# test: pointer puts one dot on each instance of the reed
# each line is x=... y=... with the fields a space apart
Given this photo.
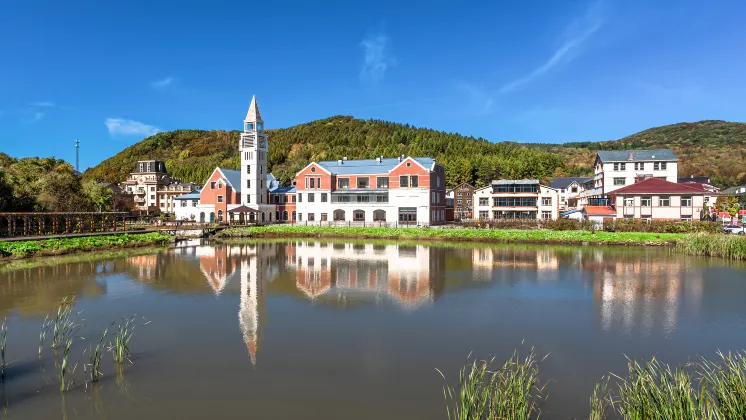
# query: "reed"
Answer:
x=725 y=381
x=120 y=346
x=726 y=246
x=63 y=326
x=600 y=401
x=3 y=342
x=43 y=334
x=510 y=392
x=93 y=368
x=64 y=365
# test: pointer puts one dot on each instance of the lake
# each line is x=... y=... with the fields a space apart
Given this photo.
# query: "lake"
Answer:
x=285 y=329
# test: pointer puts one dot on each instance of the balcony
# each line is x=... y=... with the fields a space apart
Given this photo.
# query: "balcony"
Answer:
x=594 y=192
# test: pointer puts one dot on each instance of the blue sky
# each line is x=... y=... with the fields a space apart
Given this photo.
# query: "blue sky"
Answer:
x=537 y=71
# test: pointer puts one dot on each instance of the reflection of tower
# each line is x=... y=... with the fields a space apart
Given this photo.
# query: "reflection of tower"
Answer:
x=253 y=301
x=215 y=266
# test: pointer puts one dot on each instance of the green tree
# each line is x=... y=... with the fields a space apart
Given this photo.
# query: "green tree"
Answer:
x=101 y=198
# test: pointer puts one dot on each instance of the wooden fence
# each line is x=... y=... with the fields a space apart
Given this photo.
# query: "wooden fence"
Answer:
x=48 y=223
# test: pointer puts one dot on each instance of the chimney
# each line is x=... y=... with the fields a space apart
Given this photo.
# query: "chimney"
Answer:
x=399 y=158
x=344 y=158
x=339 y=161
x=381 y=157
x=403 y=156
x=378 y=160
x=630 y=156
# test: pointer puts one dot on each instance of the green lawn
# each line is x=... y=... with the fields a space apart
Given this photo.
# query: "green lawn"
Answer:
x=490 y=235
x=25 y=249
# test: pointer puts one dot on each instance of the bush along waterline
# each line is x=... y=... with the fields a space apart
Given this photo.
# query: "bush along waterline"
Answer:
x=707 y=389
x=28 y=249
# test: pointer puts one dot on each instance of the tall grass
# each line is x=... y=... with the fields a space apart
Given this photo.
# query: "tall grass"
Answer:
x=63 y=325
x=726 y=246
x=93 y=368
x=64 y=367
x=120 y=347
x=3 y=343
x=726 y=384
x=510 y=392
x=43 y=334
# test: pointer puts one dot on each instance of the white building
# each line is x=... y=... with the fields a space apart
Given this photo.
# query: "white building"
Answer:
x=516 y=199
x=617 y=168
x=569 y=190
x=254 y=147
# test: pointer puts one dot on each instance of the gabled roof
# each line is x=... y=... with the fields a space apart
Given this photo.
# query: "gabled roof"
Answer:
x=599 y=211
x=283 y=190
x=253 y=114
x=233 y=177
x=565 y=182
x=369 y=166
x=515 y=182
x=637 y=155
x=194 y=195
x=461 y=185
x=659 y=186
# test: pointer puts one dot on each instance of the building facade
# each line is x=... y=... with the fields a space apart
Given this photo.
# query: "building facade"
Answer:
x=656 y=199
x=569 y=190
x=462 y=195
x=385 y=190
x=516 y=199
x=153 y=188
x=619 y=168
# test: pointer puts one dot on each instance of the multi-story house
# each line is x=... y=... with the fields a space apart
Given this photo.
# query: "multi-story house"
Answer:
x=283 y=198
x=517 y=199
x=153 y=188
x=618 y=168
x=656 y=199
x=391 y=190
x=462 y=196
x=569 y=191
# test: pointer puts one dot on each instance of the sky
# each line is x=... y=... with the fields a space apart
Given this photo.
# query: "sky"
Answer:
x=112 y=73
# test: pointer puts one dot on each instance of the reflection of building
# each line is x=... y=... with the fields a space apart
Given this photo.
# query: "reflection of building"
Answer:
x=486 y=260
x=406 y=274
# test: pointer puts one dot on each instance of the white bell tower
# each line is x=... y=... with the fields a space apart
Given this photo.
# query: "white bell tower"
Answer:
x=253 y=147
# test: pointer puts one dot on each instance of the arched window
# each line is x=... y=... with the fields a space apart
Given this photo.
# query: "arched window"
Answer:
x=379 y=216
x=358 y=215
x=212 y=217
x=220 y=215
x=202 y=217
x=252 y=217
x=285 y=215
x=293 y=215
x=262 y=217
x=339 y=215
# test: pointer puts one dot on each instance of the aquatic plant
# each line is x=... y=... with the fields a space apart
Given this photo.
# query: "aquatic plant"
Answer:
x=43 y=333
x=63 y=367
x=93 y=368
x=726 y=384
x=599 y=401
x=509 y=392
x=63 y=326
x=726 y=246
x=120 y=346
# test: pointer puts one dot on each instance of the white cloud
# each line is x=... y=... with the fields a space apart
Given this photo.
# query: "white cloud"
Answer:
x=477 y=95
x=43 y=104
x=571 y=41
x=376 y=57
x=162 y=83
x=129 y=127
x=37 y=116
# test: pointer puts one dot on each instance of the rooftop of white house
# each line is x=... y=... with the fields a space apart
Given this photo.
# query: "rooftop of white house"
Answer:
x=515 y=182
x=369 y=166
x=637 y=155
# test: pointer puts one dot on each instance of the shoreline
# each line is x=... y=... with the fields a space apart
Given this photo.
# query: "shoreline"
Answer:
x=22 y=250
x=497 y=236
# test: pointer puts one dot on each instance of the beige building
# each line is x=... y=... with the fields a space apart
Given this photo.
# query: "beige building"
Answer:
x=153 y=188
x=516 y=199
x=656 y=199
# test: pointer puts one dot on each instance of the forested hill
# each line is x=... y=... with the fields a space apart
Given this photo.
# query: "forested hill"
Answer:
x=192 y=154
x=713 y=148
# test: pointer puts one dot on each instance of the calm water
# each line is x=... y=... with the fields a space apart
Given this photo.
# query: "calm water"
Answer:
x=335 y=330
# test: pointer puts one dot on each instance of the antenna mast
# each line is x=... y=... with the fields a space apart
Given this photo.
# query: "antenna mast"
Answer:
x=77 y=155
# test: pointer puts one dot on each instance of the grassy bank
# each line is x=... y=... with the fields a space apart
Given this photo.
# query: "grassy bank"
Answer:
x=478 y=235
x=29 y=249
x=726 y=246
x=702 y=389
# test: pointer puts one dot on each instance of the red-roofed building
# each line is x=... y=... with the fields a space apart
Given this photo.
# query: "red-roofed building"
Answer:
x=657 y=199
x=598 y=214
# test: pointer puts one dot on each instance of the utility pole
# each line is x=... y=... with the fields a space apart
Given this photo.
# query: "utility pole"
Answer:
x=77 y=155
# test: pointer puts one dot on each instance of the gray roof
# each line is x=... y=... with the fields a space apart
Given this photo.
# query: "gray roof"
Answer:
x=565 y=182
x=515 y=182
x=194 y=195
x=368 y=166
x=283 y=190
x=637 y=155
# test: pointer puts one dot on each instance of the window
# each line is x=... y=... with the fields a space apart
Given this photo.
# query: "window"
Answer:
x=616 y=166
x=574 y=189
x=339 y=215
x=484 y=201
x=468 y=202
x=220 y=199
x=379 y=216
x=163 y=204
x=248 y=198
x=313 y=169
x=514 y=201
x=546 y=201
x=311 y=197
x=686 y=201
x=686 y=218
x=404 y=181
x=664 y=202
x=343 y=183
x=459 y=201
x=639 y=166
x=483 y=214
x=248 y=169
x=311 y=182
x=311 y=217
x=358 y=215
x=622 y=166
x=300 y=217
x=363 y=182
x=659 y=166
x=194 y=203
x=152 y=197
x=323 y=197
x=437 y=182
x=629 y=202
x=409 y=164
x=619 y=181
x=323 y=217
x=300 y=197
x=546 y=215
x=294 y=198
x=414 y=181
x=382 y=182
x=248 y=183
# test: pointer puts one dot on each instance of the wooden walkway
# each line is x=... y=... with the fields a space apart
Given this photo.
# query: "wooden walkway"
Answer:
x=169 y=230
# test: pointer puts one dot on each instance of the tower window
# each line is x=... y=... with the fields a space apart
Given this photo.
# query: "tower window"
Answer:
x=248 y=183
x=248 y=169
x=249 y=126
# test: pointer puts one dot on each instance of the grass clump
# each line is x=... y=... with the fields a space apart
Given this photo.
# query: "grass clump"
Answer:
x=726 y=383
x=726 y=246
x=93 y=367
x=120 y=346
x=3 y=343
x=508 y=392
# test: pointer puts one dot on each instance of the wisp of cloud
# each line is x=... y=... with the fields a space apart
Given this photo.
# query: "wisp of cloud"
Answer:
x=160 y=84
x=376 y=57
x=129 y=127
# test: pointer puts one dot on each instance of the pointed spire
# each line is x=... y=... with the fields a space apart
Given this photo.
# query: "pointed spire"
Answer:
x=253 y=114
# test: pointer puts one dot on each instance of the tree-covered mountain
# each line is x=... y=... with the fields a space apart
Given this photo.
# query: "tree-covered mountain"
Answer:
x=713 y=148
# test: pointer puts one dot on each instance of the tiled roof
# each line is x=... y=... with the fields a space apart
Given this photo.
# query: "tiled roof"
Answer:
x=599 y=211
x=368 y=166
x=283 y=190
x=515 y=182
x=637 y=155
x=659 y=186
x=194 y=195
x=565 y=182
